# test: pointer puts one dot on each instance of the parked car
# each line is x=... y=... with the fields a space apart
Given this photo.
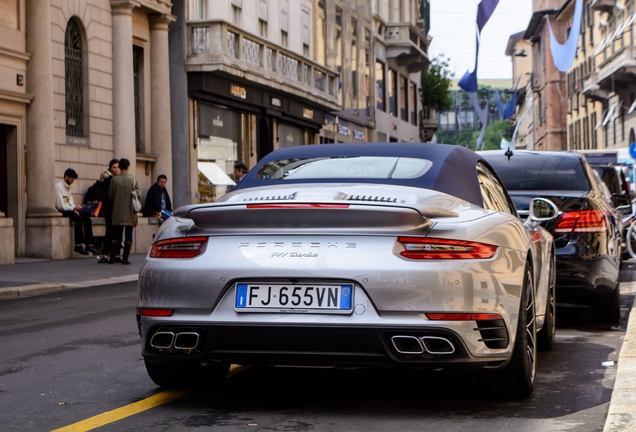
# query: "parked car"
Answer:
x=382 y=254
x=613 y=184
x=586 y=233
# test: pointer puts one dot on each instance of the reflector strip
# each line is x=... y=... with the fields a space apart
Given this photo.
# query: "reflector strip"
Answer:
x=155 y=312
x=186 y=247
x=463 y=316
x=435 y=248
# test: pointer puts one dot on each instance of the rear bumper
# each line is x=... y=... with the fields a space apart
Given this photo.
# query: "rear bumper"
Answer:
x=580 y=277
x=320 y=346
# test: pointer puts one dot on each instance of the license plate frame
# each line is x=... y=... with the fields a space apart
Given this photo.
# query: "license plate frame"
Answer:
x=336 y=298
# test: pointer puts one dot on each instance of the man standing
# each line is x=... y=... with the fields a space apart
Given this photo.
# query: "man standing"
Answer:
x=64 y=204
x=240 y=169
x=121 y=189
x=157 y=200
x=113 y=167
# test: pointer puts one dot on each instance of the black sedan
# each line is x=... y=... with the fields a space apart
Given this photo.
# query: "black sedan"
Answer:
x=586 y=233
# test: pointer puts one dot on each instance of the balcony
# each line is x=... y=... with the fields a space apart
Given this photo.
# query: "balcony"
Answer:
x=619 y=70
x=591 y=89
x=406 y=44
x=603 y=5
x=217 y=46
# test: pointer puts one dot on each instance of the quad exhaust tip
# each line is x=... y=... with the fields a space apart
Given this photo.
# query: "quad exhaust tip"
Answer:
x=413 y=345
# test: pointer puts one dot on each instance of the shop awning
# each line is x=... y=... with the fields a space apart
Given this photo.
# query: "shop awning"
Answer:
x=215 y=174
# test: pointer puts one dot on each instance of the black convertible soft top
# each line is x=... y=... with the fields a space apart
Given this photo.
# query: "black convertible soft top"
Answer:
x=453 y=169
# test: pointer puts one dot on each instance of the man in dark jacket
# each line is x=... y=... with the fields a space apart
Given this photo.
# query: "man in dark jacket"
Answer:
x=107 y=208
x=157 y=200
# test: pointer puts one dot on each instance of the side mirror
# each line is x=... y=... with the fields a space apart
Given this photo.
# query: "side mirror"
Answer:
x=542 y=209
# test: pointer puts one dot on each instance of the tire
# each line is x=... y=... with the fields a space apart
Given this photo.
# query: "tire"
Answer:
x=545 y=338
x=186 y=374
x=518 y=378
x=630 y=240
x=608 y=308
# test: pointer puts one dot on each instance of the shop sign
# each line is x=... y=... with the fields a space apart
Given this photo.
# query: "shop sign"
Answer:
x=218 y=122
x=343 y=129
x=330 y=123
x=238 y=91
x=276 y=102
x=308 y=113
x=358 y=134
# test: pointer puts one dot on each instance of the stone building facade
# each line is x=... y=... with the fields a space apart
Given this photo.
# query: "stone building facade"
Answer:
x=81 y=83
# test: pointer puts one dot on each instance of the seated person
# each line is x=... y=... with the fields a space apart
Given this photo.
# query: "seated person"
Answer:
x=157 y=200
x=64 y=204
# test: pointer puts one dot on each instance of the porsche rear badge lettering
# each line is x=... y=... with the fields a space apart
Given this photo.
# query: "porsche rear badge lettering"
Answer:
x=294 y=255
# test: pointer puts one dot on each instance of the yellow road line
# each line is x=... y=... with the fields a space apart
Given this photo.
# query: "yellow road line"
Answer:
x=130 y=410
x=125 y=411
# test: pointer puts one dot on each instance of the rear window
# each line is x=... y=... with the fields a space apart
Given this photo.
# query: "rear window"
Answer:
x=540 y=173
x=339 y=168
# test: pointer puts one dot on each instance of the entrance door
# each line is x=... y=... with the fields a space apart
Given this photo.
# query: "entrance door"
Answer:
x=264 y=138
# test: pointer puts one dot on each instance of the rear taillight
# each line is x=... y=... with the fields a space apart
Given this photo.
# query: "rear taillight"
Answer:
x=581 y=221
x=186 y=247
x=435 y=248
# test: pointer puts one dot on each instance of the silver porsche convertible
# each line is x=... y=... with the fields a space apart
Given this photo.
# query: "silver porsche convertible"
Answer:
x=376 y=255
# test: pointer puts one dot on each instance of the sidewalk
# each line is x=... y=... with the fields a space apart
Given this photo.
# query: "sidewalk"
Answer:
x=28 y=277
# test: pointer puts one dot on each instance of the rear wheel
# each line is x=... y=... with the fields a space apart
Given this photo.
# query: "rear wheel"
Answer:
x=546 y=335
x=186 y=374
x=518 y=377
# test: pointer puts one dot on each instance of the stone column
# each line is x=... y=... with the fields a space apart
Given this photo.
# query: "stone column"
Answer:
x=161 y=131
x=181 y=150
x=47 y=233
x=123 y=83
x=39 y=121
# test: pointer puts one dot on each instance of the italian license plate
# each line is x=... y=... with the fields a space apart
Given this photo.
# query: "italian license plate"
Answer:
x=257 y=297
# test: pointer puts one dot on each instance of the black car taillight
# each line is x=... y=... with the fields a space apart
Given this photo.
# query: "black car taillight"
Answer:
x=581 y=221
x=186 y=247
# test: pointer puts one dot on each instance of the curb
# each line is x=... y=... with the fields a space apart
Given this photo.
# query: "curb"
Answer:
x=621 y=416
x=44 y=288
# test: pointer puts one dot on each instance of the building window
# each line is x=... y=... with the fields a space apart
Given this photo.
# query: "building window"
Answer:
x=392 y=92
x=413 y=103
x=284 y=38
x=320 y=42
x=380 y=86
x=367 y=72
x=199 y=9
x=262 y=28
x=306 y=50
x=236 y=15
x=404 y=112
x=354 y=65
x=74 y=79
x=338 y=47
x=138 y=61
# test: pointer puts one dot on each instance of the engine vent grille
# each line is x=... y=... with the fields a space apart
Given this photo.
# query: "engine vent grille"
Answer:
x=375 y=198
x=271 y=197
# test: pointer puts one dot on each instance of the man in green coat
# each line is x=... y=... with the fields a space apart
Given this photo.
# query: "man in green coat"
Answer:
x=124 y=218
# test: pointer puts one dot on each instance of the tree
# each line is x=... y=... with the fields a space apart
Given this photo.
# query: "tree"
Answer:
x=436 y=83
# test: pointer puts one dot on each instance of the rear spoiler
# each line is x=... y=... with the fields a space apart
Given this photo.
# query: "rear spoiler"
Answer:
x=312 y=217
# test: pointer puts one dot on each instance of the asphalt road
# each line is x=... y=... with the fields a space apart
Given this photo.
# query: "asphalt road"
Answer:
x=71 y=361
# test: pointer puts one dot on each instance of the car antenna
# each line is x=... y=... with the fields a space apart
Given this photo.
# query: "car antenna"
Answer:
x=508 y=153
